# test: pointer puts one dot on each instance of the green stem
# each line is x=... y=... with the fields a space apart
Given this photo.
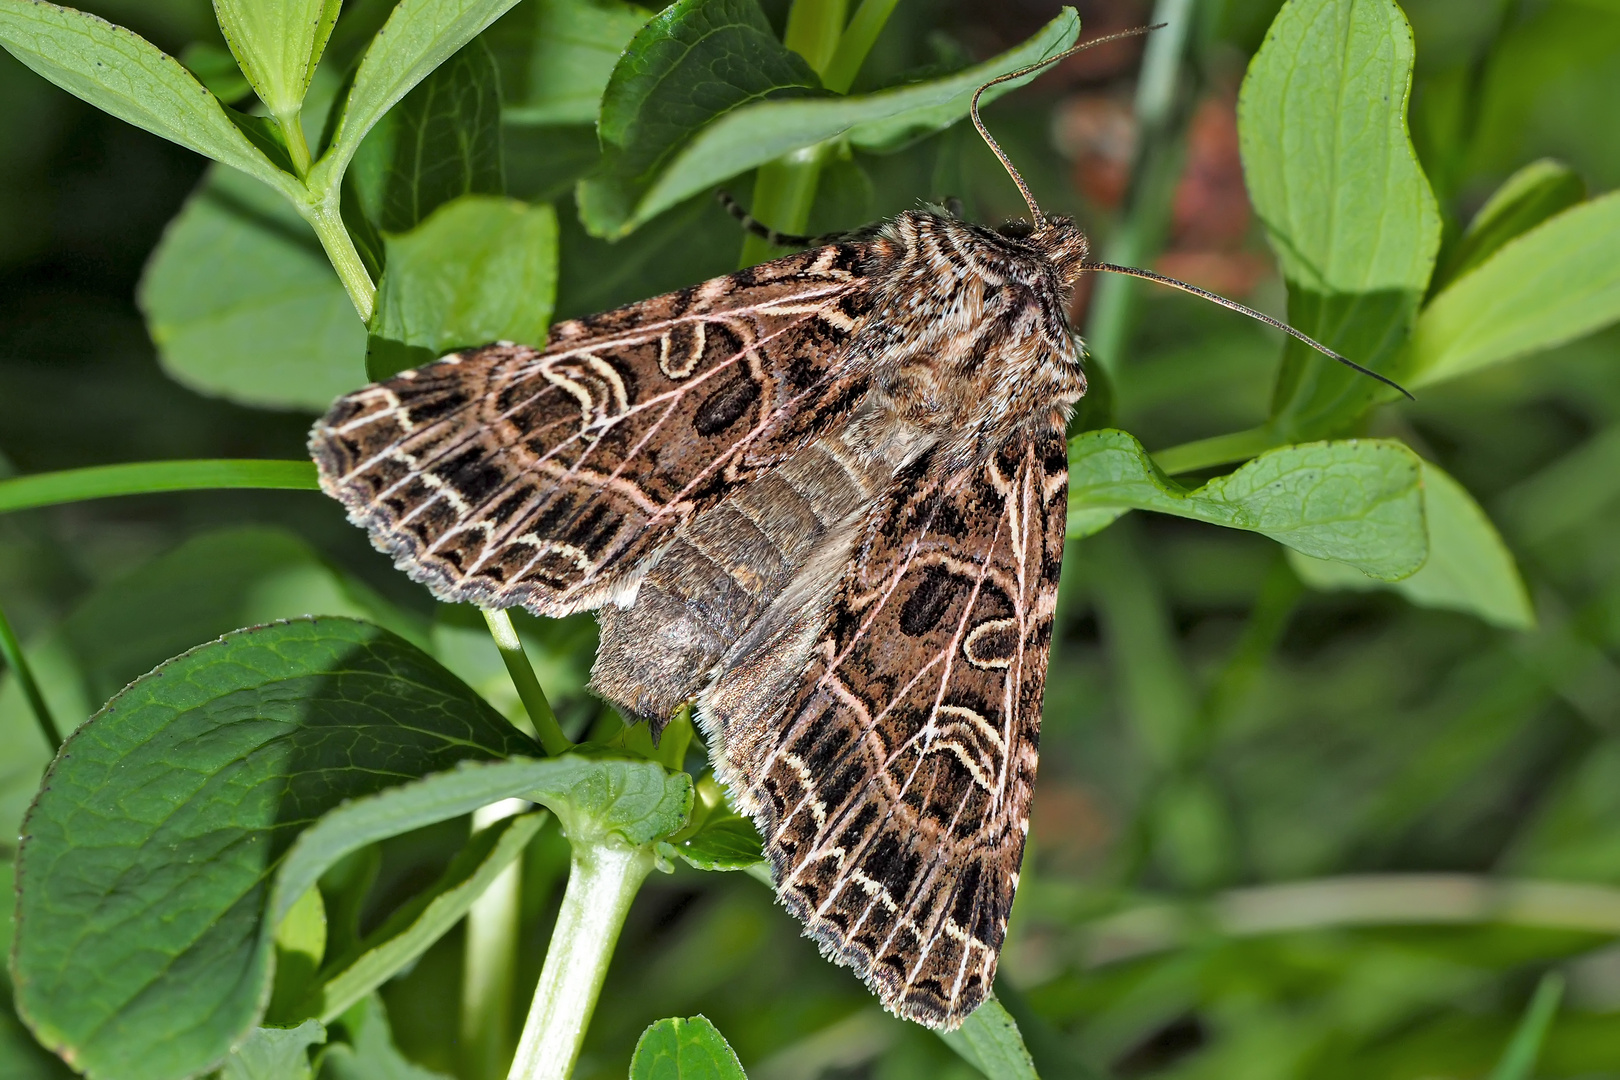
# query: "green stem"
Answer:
x=489 y=961
x=1154 y=172
x=784 y=192
x=1217 y=450
x=813 y=30
x=11 y=651
x=602 y=881
x=147 y=477
x=326 y=218
x=292 y=129
x=857 y=41
x=1519 y=1059
x=546 y=728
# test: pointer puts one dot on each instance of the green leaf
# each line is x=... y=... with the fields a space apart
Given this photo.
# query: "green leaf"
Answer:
x=369 y=1053
x=761 y=132
x=124 y=74
x=442 y=141
x=1358 y=501
x=418 y=37
x=278 y=43
x=725 y=842
x=137 y=478
x=1333 y=176
x=216 y=69
x=274 y=1053
x=1469 y=567
x=479 y=269
x=1518 y=1061
x=1555 y=283
x=144 y=942
x=243 y=304
x=300 y=945
x=695 y=61
x=409 y=931
x=1527 y=198
x=689 y=1049
x=556 y=57
x=989 y=1041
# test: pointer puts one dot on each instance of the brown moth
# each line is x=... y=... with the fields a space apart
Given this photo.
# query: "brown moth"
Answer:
x=823 y=499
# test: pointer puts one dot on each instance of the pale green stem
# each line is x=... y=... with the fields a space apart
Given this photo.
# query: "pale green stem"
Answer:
x=602 y=882
x=857 y=41
x=292 y=129
x=11 y=651
x=546 y=728
x=489 y=960
x=326 y=219
x=1519 y=1059
x=1217 y=450
x=813 y=29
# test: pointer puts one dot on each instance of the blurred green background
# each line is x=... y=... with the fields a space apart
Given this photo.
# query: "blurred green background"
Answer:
x=1278 y=832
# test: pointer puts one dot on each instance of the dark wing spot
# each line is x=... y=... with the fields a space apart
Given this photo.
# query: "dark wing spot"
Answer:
x=929 y=601
x=725 y=406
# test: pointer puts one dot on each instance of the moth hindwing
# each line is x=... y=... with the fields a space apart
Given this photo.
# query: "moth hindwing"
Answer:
x=823 y=498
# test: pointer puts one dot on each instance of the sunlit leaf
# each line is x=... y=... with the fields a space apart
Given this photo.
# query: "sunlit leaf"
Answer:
x=1527 y=198
x=989 y=1040
x=274 y=1054
x=1555 y=283
x=278 y=43
x=689 y=1049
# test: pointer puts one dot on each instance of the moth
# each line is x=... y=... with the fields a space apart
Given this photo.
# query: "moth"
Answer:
x=822 y=499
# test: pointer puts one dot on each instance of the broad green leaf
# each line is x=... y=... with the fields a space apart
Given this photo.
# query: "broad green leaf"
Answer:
x=1359 y=501
x=124 y=74
x=278 y=43
x=216 y=69
x=760 y=132
x=556 y=57
x=1469 y=567
x=408 y=932
x=1332 y=174
x=479 y=269
x=595 y=797
x=695 y=61
x=274 y=1053
x=689 y=1049
x=369 y=1052
x=724 y=842
x=145 y=863
x=989 y=1041
x=442 y=141
x=300 y=940
x=242 y=303
x=1527 y=198
x=418 y=37
x=1555 y=283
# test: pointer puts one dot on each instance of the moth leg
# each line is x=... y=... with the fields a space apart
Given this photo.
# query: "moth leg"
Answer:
x=754 y=227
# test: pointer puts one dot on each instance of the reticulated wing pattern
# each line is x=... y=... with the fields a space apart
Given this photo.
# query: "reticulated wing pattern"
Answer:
x=508 y=475
x=893 y=795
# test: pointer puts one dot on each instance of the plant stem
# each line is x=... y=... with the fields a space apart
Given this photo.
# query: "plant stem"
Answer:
x=1216 y=450
x=784 y=192
x=857 y=41
x=11 y=651
x=546 y=728
x=489 y=959
x=326 y=219
x=1153 y=176
x=602 y=881
x=292 y=129
x=813 y=30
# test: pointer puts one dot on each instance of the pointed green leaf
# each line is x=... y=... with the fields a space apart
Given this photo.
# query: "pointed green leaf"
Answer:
x=760 y=132
x=243 y=304
x=556 y=57
x=1527 y=198
x=124 y=74
x=369 y=1052
x=989 y=1040
x=479 y=269
x=274 y=1053
x=725 y=842
x=442 y=141
x=1555 y=283
x=1359 y=501
x=689 y=1049
x=418 y=37
x=278 y=43
x=144 y=941
x=695 y=61
x=1469 y=567
x=1332 y=174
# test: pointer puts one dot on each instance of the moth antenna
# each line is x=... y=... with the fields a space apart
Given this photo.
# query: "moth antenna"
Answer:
x=1216 y=298
x=995 y=147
